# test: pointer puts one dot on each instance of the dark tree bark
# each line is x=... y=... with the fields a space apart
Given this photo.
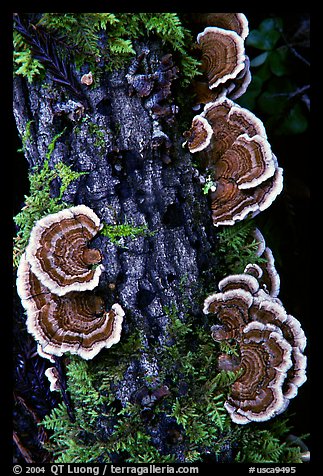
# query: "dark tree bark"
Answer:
x=129 y=177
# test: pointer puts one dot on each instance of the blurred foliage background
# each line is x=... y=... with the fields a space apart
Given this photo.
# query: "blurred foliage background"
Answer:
x=278 y=49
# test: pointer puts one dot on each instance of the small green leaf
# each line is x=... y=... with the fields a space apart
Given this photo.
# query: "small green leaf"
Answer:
x=271 y=102
x=257 y=40
x=259 y=60
x=264 y=72
x=248 y=99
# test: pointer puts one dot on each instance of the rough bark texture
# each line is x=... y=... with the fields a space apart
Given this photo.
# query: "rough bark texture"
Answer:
x=128 y=180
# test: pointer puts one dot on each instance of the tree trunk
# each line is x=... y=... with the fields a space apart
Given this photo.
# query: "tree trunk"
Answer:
x=130 y=176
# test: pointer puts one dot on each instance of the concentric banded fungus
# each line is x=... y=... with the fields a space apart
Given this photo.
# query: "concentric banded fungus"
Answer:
x=271 y=312
x=228 y=21
x=58 y=250
x=272 y=364
x=75 y=323
x=234 y=83
x=240 y=160
x=264 y=359
x=270 y=279
x=231 y=308
x=200 y=136
x=222 y=55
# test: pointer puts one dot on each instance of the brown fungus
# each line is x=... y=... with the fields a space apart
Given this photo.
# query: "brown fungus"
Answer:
x=75 y=322
x=222 y=54
x=59 y=254
x=265 y=271
x=239 y=157
x=232 y=88
x=227 y=53
x=265 y=358
x=228 y=21
x=232 y=309
x=269 y=311
x=199 y=136
x=271 y=363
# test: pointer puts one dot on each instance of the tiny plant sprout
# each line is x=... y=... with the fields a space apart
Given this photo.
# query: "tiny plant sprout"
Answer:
x=210 y=185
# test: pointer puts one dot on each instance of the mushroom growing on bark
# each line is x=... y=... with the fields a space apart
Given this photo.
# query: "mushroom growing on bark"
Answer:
x=265 y=272
x=271 y=342
x=265 y=358
x=240 y=160
x=53 y=377
x=76 y=322
x=221 y=46
x=222 y=54
x=59 y=254
x=228 y=21
x=199 y=137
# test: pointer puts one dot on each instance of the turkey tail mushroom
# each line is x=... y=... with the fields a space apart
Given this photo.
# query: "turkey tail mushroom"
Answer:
x=225 y=66
x=271 y=363
x=59 y=254
x=222 y=54
x=228 y=21
x=239 y=157
x=75 y=322
x=257 y=394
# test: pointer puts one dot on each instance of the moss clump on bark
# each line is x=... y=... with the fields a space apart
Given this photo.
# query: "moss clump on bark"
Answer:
x=104 y=41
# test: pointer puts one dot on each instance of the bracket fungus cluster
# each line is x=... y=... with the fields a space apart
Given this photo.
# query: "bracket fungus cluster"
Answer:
x=231 y=141
x=235 y=150
x=55 y=281
x=271 y=364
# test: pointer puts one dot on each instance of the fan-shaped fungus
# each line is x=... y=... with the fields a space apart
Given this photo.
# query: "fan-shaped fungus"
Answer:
x=59 y=254
x=224 y=47
x=240 y=161
x=257 y=393
x=265 y=272
x=199 y=136
x=228 y=21
x=231 y=309
x=222 y=54
x=271 y=362
x=76 y=322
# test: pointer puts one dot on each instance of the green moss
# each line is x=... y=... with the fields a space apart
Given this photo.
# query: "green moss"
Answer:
x=51 y=145
x=105 y=41
x=266 y=444
x=199 y=414
x=237 y=248
x=98 y=133
x=39 y=202
x=119 y=232
x=27 y=137
x=24 y=64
